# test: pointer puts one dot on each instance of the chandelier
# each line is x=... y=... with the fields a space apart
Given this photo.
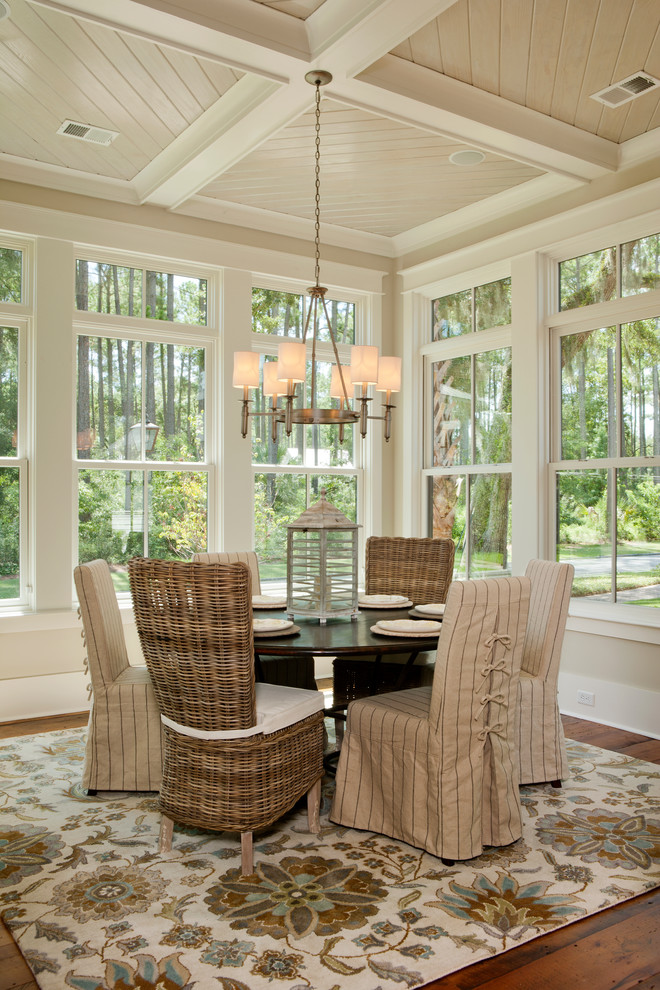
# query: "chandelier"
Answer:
x=281 y=377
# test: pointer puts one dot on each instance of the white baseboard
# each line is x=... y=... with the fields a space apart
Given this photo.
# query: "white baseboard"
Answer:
x=620 y=705
x=52 y=694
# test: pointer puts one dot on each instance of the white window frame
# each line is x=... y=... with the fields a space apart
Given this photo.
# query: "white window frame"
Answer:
x=613 y=313
x=19 y=315
x=143 y=330
x=20 y=462
x=364 y=451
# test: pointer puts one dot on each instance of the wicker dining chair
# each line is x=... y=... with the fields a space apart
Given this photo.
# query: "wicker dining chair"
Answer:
x=437 y=766
x=293 y=671
x=237 y=755
x=420 y=568
x=123 y=748
x=542 y=745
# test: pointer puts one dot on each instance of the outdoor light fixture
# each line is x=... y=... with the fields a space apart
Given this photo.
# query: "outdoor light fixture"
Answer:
x=282 y=377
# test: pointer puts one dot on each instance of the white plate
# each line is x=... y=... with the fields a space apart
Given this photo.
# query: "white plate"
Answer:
x=271 y=625
x=383 y=601
x=434 y=608
x=268 y=601
x=407 y=627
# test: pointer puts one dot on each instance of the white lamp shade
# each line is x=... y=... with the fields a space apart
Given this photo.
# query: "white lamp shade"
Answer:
x=364 y=364
x=336 y=387
x=389 y=375
x=246 y=369
x=291 y=361
x=273 y=385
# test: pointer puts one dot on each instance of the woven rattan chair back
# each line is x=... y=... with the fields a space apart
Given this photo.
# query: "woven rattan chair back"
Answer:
x=248 y=557
x=420 y=568
x=195 y=625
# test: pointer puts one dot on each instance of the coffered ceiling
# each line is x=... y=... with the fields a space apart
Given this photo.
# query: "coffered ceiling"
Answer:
x=213 y=117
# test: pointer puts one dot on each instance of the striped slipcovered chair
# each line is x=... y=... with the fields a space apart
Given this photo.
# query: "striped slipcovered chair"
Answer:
x=293 y=671
x=437 y=766
x=236 y=755
x=123 y=750
x=542 y=745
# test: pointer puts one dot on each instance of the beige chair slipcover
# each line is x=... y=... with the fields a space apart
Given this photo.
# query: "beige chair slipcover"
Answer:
x=236 y=755
x=294 y=671
x=123 y=750
x=542 y=745
x=437 y=766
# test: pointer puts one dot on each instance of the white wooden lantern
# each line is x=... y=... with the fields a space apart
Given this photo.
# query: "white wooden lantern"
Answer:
x=322 y=556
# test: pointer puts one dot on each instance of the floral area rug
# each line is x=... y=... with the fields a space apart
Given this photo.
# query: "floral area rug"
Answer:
x=93 y=905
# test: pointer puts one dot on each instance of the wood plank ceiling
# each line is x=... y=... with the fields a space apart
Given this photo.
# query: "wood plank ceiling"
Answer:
x=214 y=117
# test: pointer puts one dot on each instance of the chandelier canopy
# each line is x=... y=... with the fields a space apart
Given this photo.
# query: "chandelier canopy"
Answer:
x=281 y=377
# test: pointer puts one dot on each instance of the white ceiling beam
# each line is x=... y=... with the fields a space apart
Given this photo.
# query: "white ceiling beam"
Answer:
x=412 y=94
x=348 y=36
x=246 y=116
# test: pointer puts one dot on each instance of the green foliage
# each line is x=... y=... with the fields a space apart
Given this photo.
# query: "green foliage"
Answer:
x=103 y=288
x=11 y=273
x=591 y=278
x=179 y=501
x=9 y=521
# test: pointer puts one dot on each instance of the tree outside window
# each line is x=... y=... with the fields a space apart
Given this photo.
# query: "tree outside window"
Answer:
x=282 y=493
x=141 y=402
x=608 y=478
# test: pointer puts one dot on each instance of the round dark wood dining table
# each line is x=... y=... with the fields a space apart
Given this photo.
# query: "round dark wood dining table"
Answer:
x=342 y=637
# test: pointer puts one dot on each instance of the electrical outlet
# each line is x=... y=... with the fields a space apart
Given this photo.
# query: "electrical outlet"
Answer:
x=585 y=697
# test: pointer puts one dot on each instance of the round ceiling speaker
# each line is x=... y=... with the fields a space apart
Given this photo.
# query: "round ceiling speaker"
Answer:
x=467 y=157
x=5 y=10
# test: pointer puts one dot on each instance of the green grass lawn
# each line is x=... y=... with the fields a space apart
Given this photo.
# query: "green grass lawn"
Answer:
x=600 y=584
x=582 y=551
x=9 y=587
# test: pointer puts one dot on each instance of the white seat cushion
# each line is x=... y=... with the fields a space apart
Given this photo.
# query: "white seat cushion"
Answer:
x=277 y=707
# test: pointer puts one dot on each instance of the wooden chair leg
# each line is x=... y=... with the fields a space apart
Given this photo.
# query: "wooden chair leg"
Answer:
x=166 y=828
x=247 y=864
x=314 y=807
x=556 y=783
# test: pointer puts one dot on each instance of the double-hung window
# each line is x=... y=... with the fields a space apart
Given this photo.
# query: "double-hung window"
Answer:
x=13 y=428
x=141 y=413
x=606 y=437
x=468 y=427
x=289 y=472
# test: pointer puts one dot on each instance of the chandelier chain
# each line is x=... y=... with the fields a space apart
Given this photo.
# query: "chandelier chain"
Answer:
x=317 y=193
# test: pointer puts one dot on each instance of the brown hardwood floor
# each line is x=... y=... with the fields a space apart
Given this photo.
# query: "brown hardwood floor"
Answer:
x=616 y=949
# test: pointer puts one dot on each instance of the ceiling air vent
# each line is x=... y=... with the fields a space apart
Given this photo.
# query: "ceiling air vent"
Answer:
x=627 y=89
x=85 y=132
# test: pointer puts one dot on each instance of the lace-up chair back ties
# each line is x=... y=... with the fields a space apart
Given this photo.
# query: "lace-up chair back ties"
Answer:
x=437 y=766
x=124 y=747
x=541 y=736
x=237 y=756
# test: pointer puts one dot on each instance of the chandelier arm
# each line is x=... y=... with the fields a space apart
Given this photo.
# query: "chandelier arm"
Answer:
x=315 y=307
x=334 y=348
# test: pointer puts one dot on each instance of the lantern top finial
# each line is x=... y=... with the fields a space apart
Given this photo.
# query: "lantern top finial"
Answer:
x=322 y=515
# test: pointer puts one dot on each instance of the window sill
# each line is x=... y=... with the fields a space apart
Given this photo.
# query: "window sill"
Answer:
x=18 y=620
x=617 y=621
